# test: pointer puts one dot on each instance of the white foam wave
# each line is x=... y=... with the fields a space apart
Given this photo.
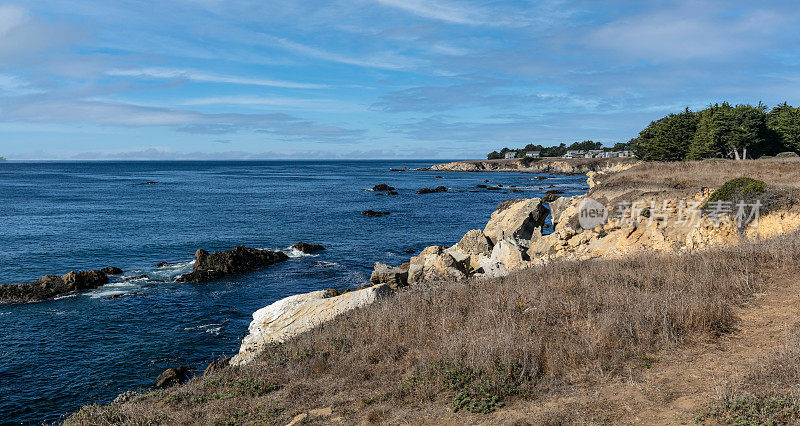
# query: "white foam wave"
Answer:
x=295 y=253
x=207 y=327
x=326 y=264
x=106 y=293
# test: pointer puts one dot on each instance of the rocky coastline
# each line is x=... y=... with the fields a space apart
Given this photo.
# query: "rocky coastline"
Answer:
x=570 y=166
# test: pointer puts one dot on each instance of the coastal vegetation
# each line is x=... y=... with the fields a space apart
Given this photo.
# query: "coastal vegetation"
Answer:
x=560 y=342
x=721 y=130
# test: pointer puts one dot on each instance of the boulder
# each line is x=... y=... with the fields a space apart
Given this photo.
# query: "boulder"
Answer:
x=394 y=277
x=172 y=377
x=475 y=244
x=307 y=248
x=410 y=251
x=372 y=213
x=165 y=264
x=392 y=193
x=509 y=254
x=241 y=259
x=437 y=263
x=383 y=187
x=559 y=206
x=432 y=190
x=110 y=270
x=480 y=185
x=516 y=220
x=296 y=314
x=491 y=268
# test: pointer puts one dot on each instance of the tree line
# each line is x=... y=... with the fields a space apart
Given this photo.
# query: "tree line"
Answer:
x=558 y=150
x=718 y=131
x=721 y=131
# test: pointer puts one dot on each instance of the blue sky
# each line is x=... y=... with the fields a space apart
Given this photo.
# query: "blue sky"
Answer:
x=223 y=79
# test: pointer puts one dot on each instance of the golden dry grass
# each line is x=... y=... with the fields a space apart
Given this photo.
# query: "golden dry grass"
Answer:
x=476 y=345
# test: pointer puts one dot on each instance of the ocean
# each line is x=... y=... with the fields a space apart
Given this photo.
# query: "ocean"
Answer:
x=58 y=355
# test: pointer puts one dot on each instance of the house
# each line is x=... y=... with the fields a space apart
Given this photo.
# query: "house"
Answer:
x=533 y=154
x=594 y=153
x=575 y=154
x=626 y=154
x=511 y=154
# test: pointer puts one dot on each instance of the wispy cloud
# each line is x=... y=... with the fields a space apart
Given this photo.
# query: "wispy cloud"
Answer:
x=203 y=77
x=383 y=60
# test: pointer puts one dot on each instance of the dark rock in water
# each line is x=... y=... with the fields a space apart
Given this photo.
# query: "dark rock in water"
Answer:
x=372 y=213
x=148 y=183
x=382 y=187
x=163 y=264
x=410 y=251
x=480 y=185
x=120 y=296
x=438 y=177
x=111 y=271
x=493 y=188
x=392 y=193
x=432 y=190
x=217 y=365
x=515 y=190
x=378 y=194
x=308 y=248
x=541 y=177
x=486 y=181
x=51 y=286
x=172 y=377
x=241 y=259
x=404 y=169
x=554 y=191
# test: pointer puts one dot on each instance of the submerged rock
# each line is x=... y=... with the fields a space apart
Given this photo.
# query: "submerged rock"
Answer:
x=241 y=259
x=308 y=248
x=432 y=190
x=296 y=314
x=372 y=213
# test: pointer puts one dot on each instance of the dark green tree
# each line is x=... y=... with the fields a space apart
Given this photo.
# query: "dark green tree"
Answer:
x=667 y=139
x=784 y=120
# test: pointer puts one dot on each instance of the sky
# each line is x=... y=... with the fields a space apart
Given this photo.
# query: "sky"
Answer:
x=264 y=79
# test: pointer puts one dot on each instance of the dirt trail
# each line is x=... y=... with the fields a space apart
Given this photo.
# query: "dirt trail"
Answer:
x=679 y=384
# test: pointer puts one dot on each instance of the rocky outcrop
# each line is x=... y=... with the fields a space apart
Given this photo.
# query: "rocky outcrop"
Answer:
x=544 y=165
x=438 y=263
x=307 y=248
x=210 y=266
x=172 y=377
x=394 y=277
x=111 y=270
x=293 y=315
x=51 y=286
x=515 y=221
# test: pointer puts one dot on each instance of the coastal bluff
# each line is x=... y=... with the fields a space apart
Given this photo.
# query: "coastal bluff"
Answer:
x=539 y=165
x=516 y=238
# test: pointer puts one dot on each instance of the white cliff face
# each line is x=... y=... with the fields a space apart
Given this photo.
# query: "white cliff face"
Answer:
x=296 y=314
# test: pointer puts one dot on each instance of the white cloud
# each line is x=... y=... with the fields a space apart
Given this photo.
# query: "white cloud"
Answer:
x=21 y=34
x=331 y=105
x=11 y=17
x=693 y=30
x=199 y=76
x=385 y=60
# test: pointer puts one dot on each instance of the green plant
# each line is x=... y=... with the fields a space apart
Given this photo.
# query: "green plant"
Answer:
x=752 y=410
x=737 y=189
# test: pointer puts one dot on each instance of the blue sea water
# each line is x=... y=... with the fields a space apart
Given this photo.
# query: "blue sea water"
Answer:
x=58 y=355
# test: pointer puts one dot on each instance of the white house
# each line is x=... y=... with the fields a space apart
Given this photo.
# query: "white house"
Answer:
x=592 y=153
x=575 y=154
x=533 y=154
x=511 y=154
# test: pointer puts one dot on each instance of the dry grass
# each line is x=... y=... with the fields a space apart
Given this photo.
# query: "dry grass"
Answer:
x=474 y=346
x=681 y=179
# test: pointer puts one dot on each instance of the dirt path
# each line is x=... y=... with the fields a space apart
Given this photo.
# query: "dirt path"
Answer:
x=679 y=384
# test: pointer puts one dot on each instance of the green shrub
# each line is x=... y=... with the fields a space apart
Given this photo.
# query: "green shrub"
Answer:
x=742 y=188
x=787 y=154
